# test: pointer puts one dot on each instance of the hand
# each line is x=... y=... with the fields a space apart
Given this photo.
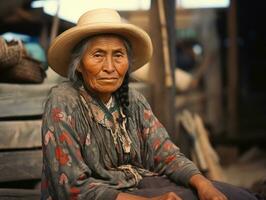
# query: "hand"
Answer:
x=205 y=189
x=209 y=192
x=166 y=196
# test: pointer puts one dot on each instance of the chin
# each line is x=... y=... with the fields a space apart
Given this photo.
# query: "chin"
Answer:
x=107 y=89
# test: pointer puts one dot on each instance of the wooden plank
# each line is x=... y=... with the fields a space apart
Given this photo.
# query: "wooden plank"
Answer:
x=22 y=100
x=165 y=44
x=215 y=171
x=163 y=95
x=20 y=134
x=20 y=165
x=18 y=100
x=19 y=194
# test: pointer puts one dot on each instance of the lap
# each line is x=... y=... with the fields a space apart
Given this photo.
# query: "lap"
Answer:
x=155 y=186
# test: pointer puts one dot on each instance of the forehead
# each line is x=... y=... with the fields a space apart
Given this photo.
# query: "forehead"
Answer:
x=106 y=40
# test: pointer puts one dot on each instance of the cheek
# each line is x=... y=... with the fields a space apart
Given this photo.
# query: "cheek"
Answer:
x=122 y=69
x=88 y=78
x=90 y=68
x=88 y=74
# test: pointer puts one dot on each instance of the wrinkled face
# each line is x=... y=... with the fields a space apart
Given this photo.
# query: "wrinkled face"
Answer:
x=104 y=64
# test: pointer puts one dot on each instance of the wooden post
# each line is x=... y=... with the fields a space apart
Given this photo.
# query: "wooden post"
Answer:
x=212 y=74
x=165 y=44
x=55 y=25
x=44 y=36
x=163 y=96
x=232 y=70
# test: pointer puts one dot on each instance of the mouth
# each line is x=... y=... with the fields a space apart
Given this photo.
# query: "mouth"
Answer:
x=108 y=79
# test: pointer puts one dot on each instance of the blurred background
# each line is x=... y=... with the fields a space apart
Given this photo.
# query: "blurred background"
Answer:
x=205 y=82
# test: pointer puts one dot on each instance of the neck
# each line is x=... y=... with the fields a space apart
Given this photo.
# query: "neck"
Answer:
x=105 y=97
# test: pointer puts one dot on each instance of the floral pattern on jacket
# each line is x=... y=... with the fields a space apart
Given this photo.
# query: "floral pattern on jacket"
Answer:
x=83 y=154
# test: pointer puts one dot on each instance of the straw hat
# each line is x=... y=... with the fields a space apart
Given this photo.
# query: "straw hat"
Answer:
x=95 y=22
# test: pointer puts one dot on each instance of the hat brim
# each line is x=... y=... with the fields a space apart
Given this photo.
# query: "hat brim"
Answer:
x=59 y=53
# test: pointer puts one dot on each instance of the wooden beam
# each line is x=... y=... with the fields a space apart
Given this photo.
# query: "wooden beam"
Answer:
x=163 y=96
x=211 y=157
x=20 y=134
x=20 y=165
x=18 y=100
x=165 y=38
x=19 y=194
x=55 y=24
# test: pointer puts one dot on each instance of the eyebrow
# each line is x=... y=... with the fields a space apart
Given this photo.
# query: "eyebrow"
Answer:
x=120 y=50
x=98 y=49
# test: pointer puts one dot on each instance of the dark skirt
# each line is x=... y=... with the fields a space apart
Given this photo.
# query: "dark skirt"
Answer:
x=155 y=186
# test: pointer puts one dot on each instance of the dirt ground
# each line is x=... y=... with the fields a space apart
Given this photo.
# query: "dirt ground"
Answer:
x=246 y=169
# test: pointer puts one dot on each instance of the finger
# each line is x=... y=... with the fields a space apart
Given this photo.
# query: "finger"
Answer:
x=222 y=197
x=173 y=196
x=178 y=198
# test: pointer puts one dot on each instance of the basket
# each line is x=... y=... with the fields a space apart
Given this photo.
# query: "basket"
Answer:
x=28 y=70
x=11 y=53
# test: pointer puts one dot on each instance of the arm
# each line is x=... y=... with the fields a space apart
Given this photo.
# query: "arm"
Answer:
x=160 y=153
x=168 y=159
x=166 y=196
x=67 y=175
x=205 y=188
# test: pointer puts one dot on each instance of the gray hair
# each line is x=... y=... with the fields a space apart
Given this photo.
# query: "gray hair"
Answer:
x=79 y=50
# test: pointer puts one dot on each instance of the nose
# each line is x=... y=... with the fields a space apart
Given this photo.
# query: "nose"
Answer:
x=108 y=65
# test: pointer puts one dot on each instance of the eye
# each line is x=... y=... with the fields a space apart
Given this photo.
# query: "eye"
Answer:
x=119 y=55
x=97 y=55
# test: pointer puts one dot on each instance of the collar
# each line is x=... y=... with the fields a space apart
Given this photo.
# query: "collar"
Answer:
x=109 y=103
x=98 y=110
x=101 y=114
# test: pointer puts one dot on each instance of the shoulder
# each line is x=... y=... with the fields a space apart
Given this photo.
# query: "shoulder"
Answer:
x=134 y=95
x=63 y=95
x=137 y=99
x=64 y=91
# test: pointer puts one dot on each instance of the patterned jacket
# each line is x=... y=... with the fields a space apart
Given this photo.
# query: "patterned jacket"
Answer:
x=90 y=153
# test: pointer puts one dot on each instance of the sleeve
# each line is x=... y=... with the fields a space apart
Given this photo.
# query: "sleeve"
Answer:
x=66 y=173
x=159 y=152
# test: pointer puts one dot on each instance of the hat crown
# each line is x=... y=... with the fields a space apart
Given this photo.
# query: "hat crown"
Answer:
x=103 y=15
x=93 y=22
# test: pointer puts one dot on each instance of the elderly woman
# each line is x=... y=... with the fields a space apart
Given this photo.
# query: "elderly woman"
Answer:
x=100 y=138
